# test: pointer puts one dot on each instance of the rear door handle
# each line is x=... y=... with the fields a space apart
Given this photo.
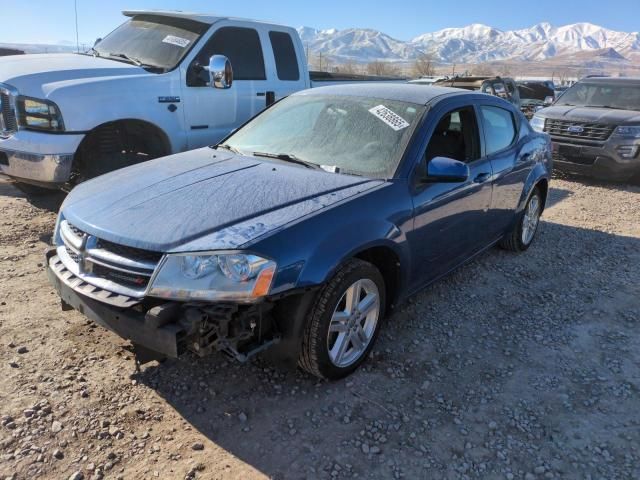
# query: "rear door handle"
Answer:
x=482 y=177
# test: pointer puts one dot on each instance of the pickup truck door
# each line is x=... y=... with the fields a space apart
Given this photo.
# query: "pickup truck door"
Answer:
x=211 y=114
x=450 y=218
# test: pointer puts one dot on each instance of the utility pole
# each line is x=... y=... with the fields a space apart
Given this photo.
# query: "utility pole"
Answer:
x=75 y=6
x=320 y=67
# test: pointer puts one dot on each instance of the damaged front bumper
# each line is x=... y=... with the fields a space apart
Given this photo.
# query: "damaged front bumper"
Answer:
x=168 y=329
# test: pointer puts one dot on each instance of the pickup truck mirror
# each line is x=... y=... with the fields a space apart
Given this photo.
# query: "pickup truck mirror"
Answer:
x=98 y=40
x=220 y=72
x=443 y=169
x=548 y=101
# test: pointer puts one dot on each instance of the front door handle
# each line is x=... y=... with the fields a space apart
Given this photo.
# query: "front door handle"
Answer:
x=482 y=177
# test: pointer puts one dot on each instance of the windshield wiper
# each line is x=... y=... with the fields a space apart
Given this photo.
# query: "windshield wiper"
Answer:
x=288 y=158
x=604 y=106
x=135 y=61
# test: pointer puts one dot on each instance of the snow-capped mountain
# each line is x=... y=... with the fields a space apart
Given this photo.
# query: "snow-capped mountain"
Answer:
x=472 y=44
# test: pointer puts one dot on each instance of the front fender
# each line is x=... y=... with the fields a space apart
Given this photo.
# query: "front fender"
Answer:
x=337 y=247
x=88 y=103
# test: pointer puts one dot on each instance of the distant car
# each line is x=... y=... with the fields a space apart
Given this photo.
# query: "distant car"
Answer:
x=502 y=87
x=534 y=96
x=426 y=80
x=301 y=229
x=595 y=128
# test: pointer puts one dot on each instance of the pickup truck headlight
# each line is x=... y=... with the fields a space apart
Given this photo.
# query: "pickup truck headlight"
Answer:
x=39 y=114
x=537 y=123
x=232 y=276
x=627 y=131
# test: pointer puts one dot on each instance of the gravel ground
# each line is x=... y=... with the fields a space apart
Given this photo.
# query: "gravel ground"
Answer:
x=516 y=366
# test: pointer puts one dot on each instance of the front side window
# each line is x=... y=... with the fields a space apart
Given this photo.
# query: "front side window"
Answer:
x=240 y=45
x=285 y=55
x=455 y=136
x=499 y=128
x=151 y=41
x=353 y=135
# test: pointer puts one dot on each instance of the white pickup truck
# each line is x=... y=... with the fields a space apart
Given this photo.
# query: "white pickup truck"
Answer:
x=144 y=91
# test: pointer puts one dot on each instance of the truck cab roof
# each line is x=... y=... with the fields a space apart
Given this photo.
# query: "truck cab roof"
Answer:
x=204 y=18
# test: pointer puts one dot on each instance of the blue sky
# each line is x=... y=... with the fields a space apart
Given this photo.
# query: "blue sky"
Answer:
x=52 y=21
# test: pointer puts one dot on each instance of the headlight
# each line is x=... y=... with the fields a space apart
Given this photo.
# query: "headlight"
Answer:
x=39 y=114
x=234 y=276
x=537 y=123
x=628 y=131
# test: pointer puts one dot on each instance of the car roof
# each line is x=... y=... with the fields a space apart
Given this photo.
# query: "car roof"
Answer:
x=208 y=19
x=403 y=92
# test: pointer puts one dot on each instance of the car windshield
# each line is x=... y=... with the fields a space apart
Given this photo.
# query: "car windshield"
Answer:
x=151 y=41
x=584 y=94
x=343 y=134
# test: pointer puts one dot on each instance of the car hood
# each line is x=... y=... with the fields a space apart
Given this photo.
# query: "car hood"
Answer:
x=592 y=114
x=203 y=200
x=37 y=75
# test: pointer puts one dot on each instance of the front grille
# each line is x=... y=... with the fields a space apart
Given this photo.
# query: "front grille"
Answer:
x=122 y=269
x=581 y=130
x=8 y=122
x=130 y=252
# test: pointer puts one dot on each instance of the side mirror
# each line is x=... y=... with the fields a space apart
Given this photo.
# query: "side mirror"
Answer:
x=220 y=72
x=548 y=101
x=443 y=169
x=98 y=40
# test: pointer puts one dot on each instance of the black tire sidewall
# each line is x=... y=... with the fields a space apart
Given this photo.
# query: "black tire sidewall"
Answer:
x=324 y=308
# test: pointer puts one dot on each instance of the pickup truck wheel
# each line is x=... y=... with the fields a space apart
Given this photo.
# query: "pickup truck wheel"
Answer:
x=115 y=146
x=344 y=322
x=521 y=236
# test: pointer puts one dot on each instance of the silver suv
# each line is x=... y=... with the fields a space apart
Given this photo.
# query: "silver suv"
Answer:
x=595 y=128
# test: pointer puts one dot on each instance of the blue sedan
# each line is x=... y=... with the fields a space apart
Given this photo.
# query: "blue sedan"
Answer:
x=299 y=232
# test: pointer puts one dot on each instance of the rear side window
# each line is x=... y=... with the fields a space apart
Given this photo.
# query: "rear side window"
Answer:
x=240 y=45
x=499 y=128
x=285 y=54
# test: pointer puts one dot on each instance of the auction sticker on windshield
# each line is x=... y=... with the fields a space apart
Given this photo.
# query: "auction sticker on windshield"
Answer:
x=389 y=117
x=178 y=41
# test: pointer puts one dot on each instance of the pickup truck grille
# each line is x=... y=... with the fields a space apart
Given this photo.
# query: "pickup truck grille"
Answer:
x=581 y=130
x=8 y=122
x=109 y=266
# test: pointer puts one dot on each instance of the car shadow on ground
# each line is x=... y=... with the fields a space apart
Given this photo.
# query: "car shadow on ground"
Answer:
x=485 y=357
x=46 y=201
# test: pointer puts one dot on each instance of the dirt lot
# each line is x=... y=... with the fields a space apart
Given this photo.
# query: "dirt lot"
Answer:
x=517 y=366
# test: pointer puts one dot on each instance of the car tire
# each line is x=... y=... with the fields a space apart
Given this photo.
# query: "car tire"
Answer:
x=344 y=321
x=524 y=231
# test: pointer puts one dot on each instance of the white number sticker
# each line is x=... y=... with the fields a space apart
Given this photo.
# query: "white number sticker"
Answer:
x=392 y=119
x=178 y=41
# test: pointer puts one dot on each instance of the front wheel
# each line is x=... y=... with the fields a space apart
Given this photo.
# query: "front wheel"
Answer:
x=521 y=236
x=345 y=321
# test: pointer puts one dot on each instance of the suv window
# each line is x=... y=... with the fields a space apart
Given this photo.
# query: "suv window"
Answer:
x=285 y=55
x=455 y=136
x=499 y=128
x=240 y=45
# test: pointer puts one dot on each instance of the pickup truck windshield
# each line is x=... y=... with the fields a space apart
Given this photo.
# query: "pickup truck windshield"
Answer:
x=354 y=135
x=623 y=97
x=151 y=40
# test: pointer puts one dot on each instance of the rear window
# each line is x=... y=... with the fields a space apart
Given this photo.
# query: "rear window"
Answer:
x=285 y=55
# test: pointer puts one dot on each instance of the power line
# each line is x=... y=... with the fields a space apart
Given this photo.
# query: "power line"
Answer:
x=75 y=6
